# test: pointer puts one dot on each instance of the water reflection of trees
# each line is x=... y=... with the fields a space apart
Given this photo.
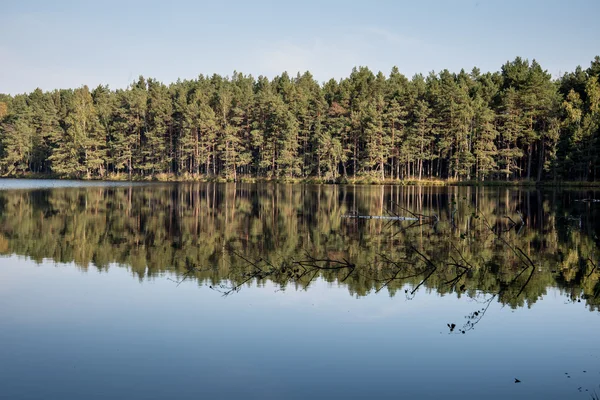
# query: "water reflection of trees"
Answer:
x=509 y=244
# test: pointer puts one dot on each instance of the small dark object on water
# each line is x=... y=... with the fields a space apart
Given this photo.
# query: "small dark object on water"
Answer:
x=517 y=381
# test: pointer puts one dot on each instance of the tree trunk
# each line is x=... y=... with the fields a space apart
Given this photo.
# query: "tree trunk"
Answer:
x=354 y=159
x=541 y=162
x=529 y=151
x=214 y=162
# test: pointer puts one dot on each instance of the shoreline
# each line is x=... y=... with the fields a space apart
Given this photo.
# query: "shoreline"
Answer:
x=164 y=178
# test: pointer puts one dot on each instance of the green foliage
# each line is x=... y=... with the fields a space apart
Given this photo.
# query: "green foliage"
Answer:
x=515 y=124
x=80 y=149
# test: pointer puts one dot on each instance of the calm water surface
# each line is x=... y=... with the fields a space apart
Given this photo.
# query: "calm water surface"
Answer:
x=269 y=291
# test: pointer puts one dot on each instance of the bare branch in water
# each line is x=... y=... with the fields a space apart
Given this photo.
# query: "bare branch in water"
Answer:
x=415 y=263
x=190 y=270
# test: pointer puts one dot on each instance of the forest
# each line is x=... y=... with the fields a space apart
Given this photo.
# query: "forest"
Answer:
x=516 y=124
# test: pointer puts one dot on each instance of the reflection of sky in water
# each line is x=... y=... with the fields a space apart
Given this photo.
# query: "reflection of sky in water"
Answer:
x=69 y=334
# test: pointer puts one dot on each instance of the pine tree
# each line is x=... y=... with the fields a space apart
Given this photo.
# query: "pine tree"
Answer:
x=129 y=127
x=241 y=119
x=80 y=150
x=104 y=107
x=398 y=102
x=17 y=138
x=485 y=134
x=377 y=142
x=420 y=137
x=511 y=127
x=155 y=157
x=45 y=120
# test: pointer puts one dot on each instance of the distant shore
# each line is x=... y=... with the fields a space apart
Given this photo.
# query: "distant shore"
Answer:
x=310 y=180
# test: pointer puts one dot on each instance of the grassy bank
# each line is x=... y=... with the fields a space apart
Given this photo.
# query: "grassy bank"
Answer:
x=366 y=180
x=530 y=183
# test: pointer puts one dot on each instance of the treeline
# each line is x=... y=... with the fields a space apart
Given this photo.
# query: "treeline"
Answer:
x=517 y=123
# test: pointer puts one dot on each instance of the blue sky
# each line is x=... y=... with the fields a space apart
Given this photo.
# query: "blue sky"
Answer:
x=60 y=43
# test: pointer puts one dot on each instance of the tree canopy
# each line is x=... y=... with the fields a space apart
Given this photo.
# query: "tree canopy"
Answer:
x=516 y=123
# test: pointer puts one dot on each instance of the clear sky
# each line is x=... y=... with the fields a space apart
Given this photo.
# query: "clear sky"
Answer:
x=63 y=44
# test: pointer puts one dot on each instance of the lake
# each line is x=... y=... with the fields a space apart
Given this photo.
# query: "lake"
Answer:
x=267 y=291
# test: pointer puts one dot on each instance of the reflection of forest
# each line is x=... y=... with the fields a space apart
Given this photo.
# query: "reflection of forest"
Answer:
x=157 y=228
